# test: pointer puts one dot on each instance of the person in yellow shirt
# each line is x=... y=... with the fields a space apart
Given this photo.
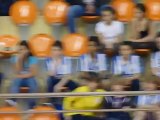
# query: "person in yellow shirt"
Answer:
x=86 y=102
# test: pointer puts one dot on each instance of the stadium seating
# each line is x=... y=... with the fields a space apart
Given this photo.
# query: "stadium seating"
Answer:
x=41 y=44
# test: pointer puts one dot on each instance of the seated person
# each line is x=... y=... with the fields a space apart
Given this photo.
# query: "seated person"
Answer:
x=142 y=31
x=25 y=66
x=117 y=102
x=59 y=68
x=148 y=102
x=109 y=31
x=83 y=7
x=93 y=61
x=85 y=102
x=155 y=58
x=126 y=66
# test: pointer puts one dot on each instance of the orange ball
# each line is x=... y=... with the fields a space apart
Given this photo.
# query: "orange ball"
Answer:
x=41 y=44
x=124 y=9
x=75 y=44
x=56 y=11
x=23 y=12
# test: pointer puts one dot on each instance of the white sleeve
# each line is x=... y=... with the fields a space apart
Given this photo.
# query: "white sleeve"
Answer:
x=153 y=61
x=83 y=64
x=141 y=100
x=67 y=66
x=115 y=66
x=120 y=28
x=98 y=28
x=137 y=65
x=102 y=62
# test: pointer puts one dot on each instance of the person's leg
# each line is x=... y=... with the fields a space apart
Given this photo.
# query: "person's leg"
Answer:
x=135 y=85
x=1 y=76
x=74 y=12
x=140 y=115
x=51 y=82
x=33 y=87
x=71 y=85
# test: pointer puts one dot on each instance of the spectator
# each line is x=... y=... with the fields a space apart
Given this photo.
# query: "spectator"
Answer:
x=85 y=102
x=127 y=66
x=59 y=69
x=25 y=66
x=117 y=102
x=83 y=7
x=93 y=61
x=155 y=58
x=142 y=31
x=109 y=31
x=148 y=102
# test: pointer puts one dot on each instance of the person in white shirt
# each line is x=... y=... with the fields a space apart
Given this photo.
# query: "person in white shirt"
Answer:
x=109 y=31
x=59 y=68
x=155 y=58
x=149 y=102
x=93 y=61
x=127 y=66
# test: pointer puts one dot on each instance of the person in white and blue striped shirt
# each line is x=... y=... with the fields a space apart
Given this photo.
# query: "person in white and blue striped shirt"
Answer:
x=148 y=101
x=59 y=68
x=127 y=65
x=93 y=61
x=155 y=58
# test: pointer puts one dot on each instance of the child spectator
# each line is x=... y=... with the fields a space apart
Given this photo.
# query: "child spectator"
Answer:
x=59 y=69
x=83 y=7
x=85 y=102
x=155 y=58
x=117 y=102
x=25 y=66
x=109 y=31
x=148 y=102
x=127 y=66
x=142 y=31
x=93 y=61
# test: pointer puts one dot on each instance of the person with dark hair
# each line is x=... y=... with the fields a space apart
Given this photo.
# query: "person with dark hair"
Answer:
x=83 y=7
x=109 y=31
x=25 y=66
x=155 y=58
x=86 y=102
x=93 y=61
x=142 y=31
x=59 y=69
x=127 y=66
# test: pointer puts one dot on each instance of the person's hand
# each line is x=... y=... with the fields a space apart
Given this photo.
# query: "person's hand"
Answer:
x=90 y=9
x=58 y=88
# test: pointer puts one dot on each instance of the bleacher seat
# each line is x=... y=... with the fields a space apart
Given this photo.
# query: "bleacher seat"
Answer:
x=10 y=116
x=124 y=9
x=75 y=44
x=56 y=11
x=44 y=116
x=41 y=44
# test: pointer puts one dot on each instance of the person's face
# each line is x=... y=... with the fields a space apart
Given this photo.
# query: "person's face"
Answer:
x=158 y=43
x=92 y=47
x=56 y=51
x=149 y=86
x=23 y=49
x=139 y=14
x=107 y=16
x=93 y=85
x=125 y=50
x=117 y=88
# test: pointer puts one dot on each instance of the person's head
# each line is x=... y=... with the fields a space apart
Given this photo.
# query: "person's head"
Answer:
x=150 y=85
x=24 y=47
x=158 y=40
x=93 y=44
x=93 y=81
x=125 y=48
x=117 y=86
x=108 y=14
x=140 y=10
x=57 y=49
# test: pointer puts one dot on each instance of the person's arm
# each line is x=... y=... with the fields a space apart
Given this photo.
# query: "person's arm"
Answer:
x=152 y=33
x=154 y=67
x=132 y=32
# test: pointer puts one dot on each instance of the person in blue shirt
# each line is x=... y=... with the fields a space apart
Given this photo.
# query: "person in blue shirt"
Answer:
x=127 y=66
x=25 y=68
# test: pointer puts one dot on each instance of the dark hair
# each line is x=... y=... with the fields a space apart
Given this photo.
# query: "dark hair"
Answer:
x=141 y=7
x=158 y=34
x=108 y=8
x=58 y=44
x=25 y=43
x=94 y=39
x=128 y=43
x=93 y=77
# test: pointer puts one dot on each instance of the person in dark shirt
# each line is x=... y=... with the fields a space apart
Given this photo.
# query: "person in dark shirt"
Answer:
x=83 y=7
x=117 y=102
